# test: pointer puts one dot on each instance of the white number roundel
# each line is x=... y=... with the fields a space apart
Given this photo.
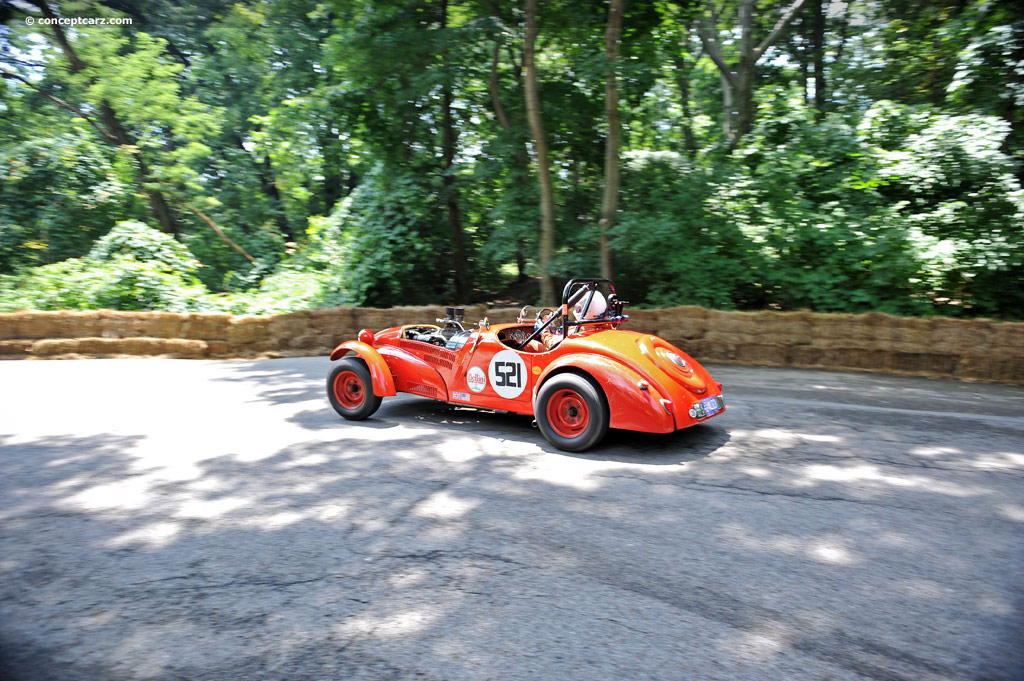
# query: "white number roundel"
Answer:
x=508 y=374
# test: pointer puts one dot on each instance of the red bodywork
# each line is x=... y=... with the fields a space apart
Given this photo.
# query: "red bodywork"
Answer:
x=645 y=389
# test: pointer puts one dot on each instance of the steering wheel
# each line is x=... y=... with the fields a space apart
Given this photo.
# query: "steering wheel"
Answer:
x=543 y=312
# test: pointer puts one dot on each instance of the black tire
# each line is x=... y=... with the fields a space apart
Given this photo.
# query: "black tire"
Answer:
x=571 y=412
x=350 y=389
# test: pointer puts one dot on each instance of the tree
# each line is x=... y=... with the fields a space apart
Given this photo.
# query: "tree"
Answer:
x=738 y=79
x=113 y=129
x=610 y=196
x=451 y=192
x=818 y=53
x=540 y=146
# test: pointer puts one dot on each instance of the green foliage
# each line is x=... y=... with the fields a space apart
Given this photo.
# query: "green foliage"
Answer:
x=139 y=241
x=287 y=290
x=56 y=196
x=132 y=267
x=957 y=193
x=384 y=245
x=342 y=144
x=122 y=283
x=667 y=253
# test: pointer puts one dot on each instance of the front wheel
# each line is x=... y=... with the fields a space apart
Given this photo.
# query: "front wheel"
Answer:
x=350 y=390
x=571 y=412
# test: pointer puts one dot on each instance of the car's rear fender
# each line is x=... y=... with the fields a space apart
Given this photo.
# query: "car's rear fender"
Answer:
x=383 y=384
x=633 y=402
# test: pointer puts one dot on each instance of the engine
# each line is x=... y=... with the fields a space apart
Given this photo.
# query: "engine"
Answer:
x=452 y=335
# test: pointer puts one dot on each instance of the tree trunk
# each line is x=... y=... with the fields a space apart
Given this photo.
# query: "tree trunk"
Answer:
x=744 y=100
x=818 y=52
x=682 y=74
x=157 y=202
x=540 y=145
x=451 y=192
x=728 y=112
x=265 y=172
x=800 y=50
x=522 y=160
x=610 y=198
x=328 y=143
x=270 y=190
x=745 y=72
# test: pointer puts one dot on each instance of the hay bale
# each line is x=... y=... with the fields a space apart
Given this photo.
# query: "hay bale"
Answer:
x=15 y=348
x=960 y=336
x=222 y=349
x=138 y=346
x=806 y=356
x=907 y=333
x=79 y=323
x=50 y=324
x=501 y=315
x=312 y=340
x=268 y=345
x=135 y=346
x=54 y=346
x=765 y=354
x=704 y=350
x=999 y=369
x=720 y=336
x=644 y=321
x=854 y=358
x=784 y=328
x=33 y=325
x=10 y=325
x=206 y=326
x=161 y=324
x=119 y=324
x=838 y=330
x=47 y=325
x=334 y=321
x=248 y=329
x=377 y=319
x=935 y=365
x=1007 y=338
x=473 y=314
x=733 y=327
x=284 y=327
x=161 y=346
x=319 y=350
x=733 y=323
x=814 y=357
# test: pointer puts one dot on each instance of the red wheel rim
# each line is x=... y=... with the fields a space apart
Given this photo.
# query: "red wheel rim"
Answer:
x=348 y=390
x=567 y=414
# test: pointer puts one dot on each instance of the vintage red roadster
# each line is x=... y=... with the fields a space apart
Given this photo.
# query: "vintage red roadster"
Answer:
x=572 y=368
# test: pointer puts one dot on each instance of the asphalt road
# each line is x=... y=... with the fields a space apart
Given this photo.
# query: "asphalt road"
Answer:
x=192 y=520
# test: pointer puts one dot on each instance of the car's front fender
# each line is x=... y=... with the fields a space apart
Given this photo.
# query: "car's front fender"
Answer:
x=633 y=402
x=383 y=384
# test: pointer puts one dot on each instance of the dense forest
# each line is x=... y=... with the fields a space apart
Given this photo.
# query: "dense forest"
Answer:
x=272 y=155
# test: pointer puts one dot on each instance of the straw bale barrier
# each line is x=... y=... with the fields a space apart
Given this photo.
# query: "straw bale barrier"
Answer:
x=976 y=349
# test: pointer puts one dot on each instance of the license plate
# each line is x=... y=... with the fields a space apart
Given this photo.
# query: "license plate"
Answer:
x=709 y=406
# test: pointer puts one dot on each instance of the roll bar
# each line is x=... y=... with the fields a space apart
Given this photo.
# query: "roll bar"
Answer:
x=570 y=299
x=588 y=285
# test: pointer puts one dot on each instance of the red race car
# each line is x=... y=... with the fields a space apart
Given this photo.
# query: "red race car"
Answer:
x=578 y=376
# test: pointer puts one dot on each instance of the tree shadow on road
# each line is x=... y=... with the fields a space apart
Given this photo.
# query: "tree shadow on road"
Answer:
x=760 y=545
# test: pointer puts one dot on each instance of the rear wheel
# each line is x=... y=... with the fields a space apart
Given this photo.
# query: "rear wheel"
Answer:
x=350 y=389
x=571 y=412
